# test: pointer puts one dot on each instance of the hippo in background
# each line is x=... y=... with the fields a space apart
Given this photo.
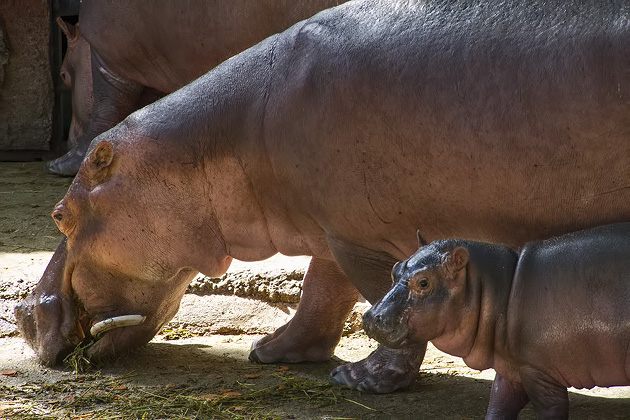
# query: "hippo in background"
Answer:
x=337 y=139
x=125 y=54
x=556 y=315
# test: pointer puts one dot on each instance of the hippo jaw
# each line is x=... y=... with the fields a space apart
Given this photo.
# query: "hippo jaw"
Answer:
x=54 y=321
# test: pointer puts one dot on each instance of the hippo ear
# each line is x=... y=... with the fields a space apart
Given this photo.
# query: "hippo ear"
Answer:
x=457 y=259
x=421 y=241
x=70 y=30
x=98 y=163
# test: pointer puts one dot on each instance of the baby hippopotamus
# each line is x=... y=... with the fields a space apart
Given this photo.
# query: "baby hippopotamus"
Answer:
x=556 y=315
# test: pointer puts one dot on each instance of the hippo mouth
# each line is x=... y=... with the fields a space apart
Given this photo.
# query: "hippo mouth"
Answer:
x=394 y=339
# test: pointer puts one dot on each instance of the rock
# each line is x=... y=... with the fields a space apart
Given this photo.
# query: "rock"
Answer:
x=217 y=314
x=278 y=279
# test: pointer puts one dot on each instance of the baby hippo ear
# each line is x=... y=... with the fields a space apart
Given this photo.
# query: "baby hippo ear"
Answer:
x=421 y=241
x=457 y=259
x=98 y=162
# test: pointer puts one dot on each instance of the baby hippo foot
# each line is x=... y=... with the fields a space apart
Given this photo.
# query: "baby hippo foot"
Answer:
x=68 y=164
x=385 y=370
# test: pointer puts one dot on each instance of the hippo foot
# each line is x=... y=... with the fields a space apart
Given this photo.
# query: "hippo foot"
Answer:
x=286 y=345
x=68 y=164
x=385 y=370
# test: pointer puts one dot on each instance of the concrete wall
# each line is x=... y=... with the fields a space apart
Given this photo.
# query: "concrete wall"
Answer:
x=26 y=88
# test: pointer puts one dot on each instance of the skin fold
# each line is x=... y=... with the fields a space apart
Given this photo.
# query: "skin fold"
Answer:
x=340 y=138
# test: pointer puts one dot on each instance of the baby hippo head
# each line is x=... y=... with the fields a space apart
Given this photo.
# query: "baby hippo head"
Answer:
x=424 y=296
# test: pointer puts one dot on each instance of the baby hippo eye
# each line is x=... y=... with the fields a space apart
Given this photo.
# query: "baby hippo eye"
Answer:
x=419 y=284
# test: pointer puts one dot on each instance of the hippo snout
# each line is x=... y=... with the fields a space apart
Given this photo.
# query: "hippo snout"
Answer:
x=39 y=321
x=385 y=321
x=383 y=331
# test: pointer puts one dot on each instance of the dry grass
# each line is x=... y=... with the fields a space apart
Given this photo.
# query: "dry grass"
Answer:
x=78 y=360
x=94 y=396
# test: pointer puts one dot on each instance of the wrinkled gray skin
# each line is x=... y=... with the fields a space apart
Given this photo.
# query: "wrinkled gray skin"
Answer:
x=126 y=54
x=556 y=316
x=338 y=139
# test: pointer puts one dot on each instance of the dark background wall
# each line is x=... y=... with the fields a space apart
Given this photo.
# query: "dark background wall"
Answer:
x=34 y=108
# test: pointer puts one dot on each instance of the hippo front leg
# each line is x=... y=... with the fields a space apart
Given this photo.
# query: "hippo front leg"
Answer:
x=385 y=370
x=315 y=330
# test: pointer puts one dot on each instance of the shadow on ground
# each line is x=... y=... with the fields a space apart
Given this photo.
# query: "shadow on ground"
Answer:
x=206 y=376
x=210 y=377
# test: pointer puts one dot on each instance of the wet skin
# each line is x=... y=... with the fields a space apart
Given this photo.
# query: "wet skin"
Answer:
x=553 y=317
x=338 y=139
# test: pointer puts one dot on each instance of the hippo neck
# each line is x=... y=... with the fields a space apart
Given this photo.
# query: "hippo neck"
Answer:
x=210 y=131
x=490 y=274
x=232 y=153
x=265 y=220
x=227 y=145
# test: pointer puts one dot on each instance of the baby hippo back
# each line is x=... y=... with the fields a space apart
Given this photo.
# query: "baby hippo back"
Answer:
x=569 y=308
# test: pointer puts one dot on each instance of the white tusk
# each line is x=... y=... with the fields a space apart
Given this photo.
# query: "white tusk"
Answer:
x=116 y=322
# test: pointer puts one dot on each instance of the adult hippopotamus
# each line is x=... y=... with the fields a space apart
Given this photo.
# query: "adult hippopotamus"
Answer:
x=127 y=54
x=556 y=315
x=338 y=138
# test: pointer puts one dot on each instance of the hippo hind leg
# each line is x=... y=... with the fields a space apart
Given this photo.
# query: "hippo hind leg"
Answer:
x=550 y=399
x=315 y=330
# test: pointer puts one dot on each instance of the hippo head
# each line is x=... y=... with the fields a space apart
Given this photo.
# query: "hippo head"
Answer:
x=423 y=299
x=76 y=74
x=127 y=259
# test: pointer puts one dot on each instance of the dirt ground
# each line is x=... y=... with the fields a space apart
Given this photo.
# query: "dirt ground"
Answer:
x=191 y=371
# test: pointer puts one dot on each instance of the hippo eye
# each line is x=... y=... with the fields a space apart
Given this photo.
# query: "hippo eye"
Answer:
x=65 y=78
x=60 y=219
x=420 y=285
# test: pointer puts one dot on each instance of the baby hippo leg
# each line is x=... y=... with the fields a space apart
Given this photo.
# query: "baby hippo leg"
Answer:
x=506 y=399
